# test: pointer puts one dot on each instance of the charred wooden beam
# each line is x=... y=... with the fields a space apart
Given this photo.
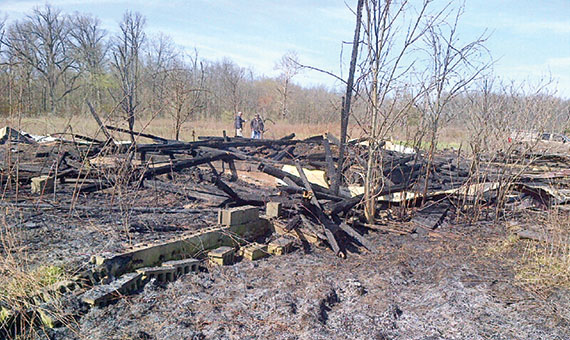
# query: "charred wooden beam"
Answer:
x=330 y=170
x=99 y=122
x=183 y=164
x=181 y=146
x=288 y=137
x=284 y=153
x=348 y=204
x=278 y=173
x=141 y=134
x=324 y=220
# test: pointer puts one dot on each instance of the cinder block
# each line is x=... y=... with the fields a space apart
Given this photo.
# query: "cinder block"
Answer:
x=273 y=209
x=280 y=246
x=237 y=216
x=255 y=251
x=42 y=184
x=222 y=256
x=161 y=274
x=183 y=266
x=103 y=294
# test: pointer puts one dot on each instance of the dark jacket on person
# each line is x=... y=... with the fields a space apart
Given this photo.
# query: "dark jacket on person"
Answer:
x=239 y=122
x=257 y=125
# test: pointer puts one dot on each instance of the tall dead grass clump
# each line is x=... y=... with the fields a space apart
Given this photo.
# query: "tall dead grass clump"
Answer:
x=547 y=264
x=24 y=310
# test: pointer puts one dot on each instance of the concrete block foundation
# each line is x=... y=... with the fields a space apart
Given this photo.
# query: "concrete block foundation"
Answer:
x=237 y=216
x=183 y=266
x=101 y=295
x=255 y=251
x=161 y=274
x=280 y=246
x=273 y=209
x=222 y=256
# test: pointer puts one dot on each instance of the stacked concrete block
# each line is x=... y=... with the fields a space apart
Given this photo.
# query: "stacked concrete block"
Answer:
x=280 y=246
x=222 y=256
x=103 y=294
x=238 y=216
x=42 y=184
x=55 y=291
x=255 y=251
x=183 y=266
x=161 y=274
x=273 y=209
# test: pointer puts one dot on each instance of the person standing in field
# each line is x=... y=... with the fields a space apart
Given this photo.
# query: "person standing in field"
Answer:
x=257 y=127
x=238 y=124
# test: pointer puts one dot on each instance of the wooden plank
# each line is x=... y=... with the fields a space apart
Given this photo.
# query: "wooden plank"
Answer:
x=330 y=169
x=99 y=122
x=354 y=234
x=320 y=214
x=146 y=135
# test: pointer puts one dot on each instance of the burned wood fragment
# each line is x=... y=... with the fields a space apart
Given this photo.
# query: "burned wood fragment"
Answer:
x=347 y=204
x=431 y=216
x=323 y=219
x=284 y=153
x=233 y=170
x=330 y=170
x=99 y=122
x=354 y=234
x=288 y=137
x=141 y=134
x=293 y=223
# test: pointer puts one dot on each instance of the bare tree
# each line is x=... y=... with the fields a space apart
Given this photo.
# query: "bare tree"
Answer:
x=90 y=50
x=452 y=67
x=289 y=67
x=391 y=30
x=186 y=84
x=160 y=63
x=41 y=41
x=126 y=61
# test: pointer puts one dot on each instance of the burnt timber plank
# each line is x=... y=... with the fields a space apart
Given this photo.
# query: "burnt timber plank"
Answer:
x=325 y=221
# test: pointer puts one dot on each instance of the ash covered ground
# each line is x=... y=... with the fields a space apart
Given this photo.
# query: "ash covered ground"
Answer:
x=412 y=287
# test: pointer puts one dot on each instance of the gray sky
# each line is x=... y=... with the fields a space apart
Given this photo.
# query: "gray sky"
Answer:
x=530 y=40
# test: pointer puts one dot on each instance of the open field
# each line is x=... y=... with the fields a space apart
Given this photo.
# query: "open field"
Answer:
x=85 y=125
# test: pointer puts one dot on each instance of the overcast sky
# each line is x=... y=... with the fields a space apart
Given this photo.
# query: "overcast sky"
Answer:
x=530 y=39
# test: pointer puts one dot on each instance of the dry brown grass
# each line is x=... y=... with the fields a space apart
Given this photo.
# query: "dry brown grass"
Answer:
x=548 y=264
x=538 y=265
x=164 y=127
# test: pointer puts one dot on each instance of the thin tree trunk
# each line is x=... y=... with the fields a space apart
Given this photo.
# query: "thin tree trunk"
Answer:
x=345 y=113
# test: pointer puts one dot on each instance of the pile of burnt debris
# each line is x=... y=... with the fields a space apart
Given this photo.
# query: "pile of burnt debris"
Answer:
x=414 y=192
x=411 y=187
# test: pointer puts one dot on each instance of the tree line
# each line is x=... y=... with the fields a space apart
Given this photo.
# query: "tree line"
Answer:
x=54 y=63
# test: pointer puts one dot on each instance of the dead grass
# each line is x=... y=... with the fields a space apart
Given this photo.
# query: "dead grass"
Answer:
x=538 y=265
x=85 y=125
x=548 y=264
x=164 y=127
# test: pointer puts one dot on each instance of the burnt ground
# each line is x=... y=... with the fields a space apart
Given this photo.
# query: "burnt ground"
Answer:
x=412 y=287
x=109 y=222
x=450 y=284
